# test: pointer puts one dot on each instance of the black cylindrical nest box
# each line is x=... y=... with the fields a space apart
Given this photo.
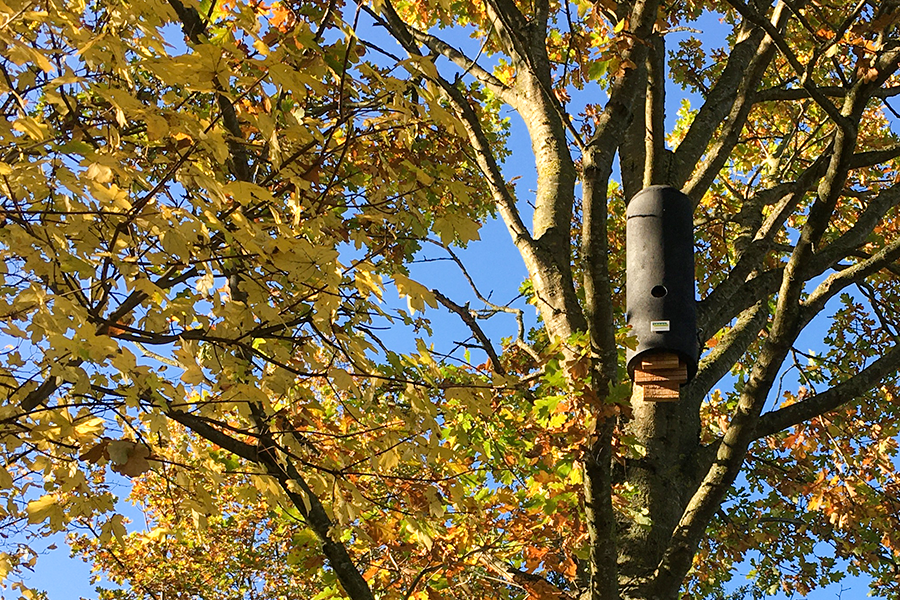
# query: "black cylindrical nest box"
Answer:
x=661 y=307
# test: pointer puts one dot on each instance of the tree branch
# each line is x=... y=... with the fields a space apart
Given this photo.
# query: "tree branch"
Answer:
x=313 y=511
x=305 y=501
x=484 y=156
x=718 y=104
x=806 y=81
x=836 y=282
x=204 y=429
x=729 y=298
x=729 y=349
x=601 y=523
x=831 y=399
x=195 y=30
x=862 y=227
x=466 y=315
x=657 y=158
x=774 y=94
x=439 y=46
x=740 y=107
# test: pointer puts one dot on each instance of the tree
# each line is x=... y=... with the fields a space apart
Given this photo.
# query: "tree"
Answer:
x=203 y=205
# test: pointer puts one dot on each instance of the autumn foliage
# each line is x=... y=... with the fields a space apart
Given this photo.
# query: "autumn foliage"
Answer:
x=215 y=220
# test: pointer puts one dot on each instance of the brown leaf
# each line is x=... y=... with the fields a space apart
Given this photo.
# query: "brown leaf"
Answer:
x=96 y=452
x=134 y=462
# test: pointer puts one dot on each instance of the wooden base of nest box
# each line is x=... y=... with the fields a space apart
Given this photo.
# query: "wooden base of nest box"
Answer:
x=659 y=378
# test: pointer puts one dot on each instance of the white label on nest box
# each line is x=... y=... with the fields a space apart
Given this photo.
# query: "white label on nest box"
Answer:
x=659 y=326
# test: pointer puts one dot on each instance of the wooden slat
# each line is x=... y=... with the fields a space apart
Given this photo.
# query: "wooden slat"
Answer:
x=652 y=392
x=678 y=374
x=659 y=378
x=655 y=362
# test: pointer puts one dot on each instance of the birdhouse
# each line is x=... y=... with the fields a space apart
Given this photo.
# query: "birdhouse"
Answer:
x=660 y=302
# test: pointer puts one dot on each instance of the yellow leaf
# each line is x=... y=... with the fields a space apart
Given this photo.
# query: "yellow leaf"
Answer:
x=296 y=489
x=455 y=228
x=388 y=460
x=248 y=193
x=583 y=8
x=421 y=65
x=45 y=507
x=118 y=528
x=31 y=128
x=261 y=47
x=435 y=502
x=576 y=476
x=90 y=427
x=5 y=565
x=344 y=381
x=206 y=284
x=21 y=54
x=420 y=536
x=368 y=282
x=158 y=533
x=113 y=194
x=416 y=294
x=6 y=480
x=157 y=126
x=175 y=245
